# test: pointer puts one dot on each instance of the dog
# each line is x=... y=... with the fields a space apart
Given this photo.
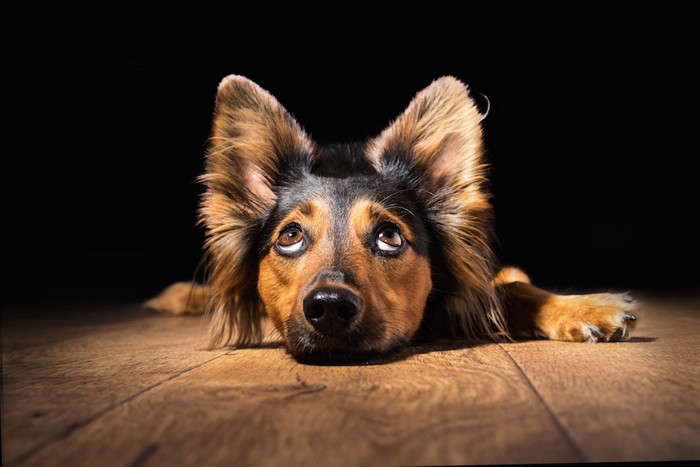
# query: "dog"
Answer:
x=357 y=249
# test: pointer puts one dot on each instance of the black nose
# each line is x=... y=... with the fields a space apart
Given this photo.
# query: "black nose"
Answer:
x=331 y=309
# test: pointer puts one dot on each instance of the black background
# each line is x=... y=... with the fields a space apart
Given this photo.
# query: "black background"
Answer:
x=594 y=185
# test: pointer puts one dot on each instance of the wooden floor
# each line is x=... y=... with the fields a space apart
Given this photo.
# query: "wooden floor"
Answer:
x=120 y=386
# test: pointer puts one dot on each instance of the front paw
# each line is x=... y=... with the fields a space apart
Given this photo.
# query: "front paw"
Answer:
x=588 y=318
x=178 y=299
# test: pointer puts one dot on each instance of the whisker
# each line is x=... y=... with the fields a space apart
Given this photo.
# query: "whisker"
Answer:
x=393 y=206
x=394 y=194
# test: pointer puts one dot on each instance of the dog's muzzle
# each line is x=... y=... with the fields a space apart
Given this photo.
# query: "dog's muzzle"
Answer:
x=332 y=310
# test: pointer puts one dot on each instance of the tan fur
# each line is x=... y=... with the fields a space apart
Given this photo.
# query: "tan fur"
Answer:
x=533 y=312
x=250 y=131
x=398 y=288
x=439 y=136
x=180 y=298
x=441 y=128
x=283 y=282
x=510 y=274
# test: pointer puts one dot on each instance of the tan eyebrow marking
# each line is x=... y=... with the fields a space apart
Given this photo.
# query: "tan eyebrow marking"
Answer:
x=365 y=214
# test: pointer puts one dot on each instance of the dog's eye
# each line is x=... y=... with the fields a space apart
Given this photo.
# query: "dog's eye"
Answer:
x=389 y=239
x=290 y=240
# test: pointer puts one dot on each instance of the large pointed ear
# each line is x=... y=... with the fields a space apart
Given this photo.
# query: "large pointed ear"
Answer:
x=255 y=142
x=256 y=146
x=438 y=137
x=437 y=144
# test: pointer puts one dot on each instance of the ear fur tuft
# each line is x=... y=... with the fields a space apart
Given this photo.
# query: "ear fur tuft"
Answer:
x=438 y=140
x=254 y=143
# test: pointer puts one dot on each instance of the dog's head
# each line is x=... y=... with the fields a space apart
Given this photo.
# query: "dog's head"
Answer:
x=344 y=246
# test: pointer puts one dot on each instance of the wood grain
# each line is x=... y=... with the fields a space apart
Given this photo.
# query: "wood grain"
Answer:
x=85 y=369
x=637 y=400
x=259 y=407
x=134 y=390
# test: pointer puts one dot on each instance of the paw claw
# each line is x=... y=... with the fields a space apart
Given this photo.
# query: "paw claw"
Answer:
x=594 y=333
x=618 y=335
x=592 y=318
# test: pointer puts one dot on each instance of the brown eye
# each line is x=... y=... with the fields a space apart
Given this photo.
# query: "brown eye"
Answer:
x=389 y=239
x=290 y=240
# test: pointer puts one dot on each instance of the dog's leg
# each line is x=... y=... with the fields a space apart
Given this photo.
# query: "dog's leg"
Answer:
x=180 y=298
x=535 y=313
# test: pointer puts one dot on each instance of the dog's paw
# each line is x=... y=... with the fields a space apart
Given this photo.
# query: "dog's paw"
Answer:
x=179 y=298
x=588 y=318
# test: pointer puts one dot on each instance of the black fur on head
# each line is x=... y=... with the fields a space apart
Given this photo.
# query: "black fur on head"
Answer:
x=427 y=166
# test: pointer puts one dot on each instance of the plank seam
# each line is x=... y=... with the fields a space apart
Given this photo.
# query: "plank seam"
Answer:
x=557 y=423
x=110 y=408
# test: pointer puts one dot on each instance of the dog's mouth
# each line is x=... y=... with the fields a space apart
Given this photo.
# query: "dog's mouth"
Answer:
x=365 y=344
x=340 y=357
x=335 y=324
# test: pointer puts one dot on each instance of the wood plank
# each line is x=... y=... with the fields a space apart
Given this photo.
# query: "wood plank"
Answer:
x=127 y=387
x=630 y=401
x=85 y=369
x=259 y=407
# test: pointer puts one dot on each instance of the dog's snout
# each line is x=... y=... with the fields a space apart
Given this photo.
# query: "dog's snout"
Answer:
x=331 y=309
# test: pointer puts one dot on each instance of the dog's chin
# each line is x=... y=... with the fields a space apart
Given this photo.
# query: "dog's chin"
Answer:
x=340 y=357
x=356 y=348
x=330 y=351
